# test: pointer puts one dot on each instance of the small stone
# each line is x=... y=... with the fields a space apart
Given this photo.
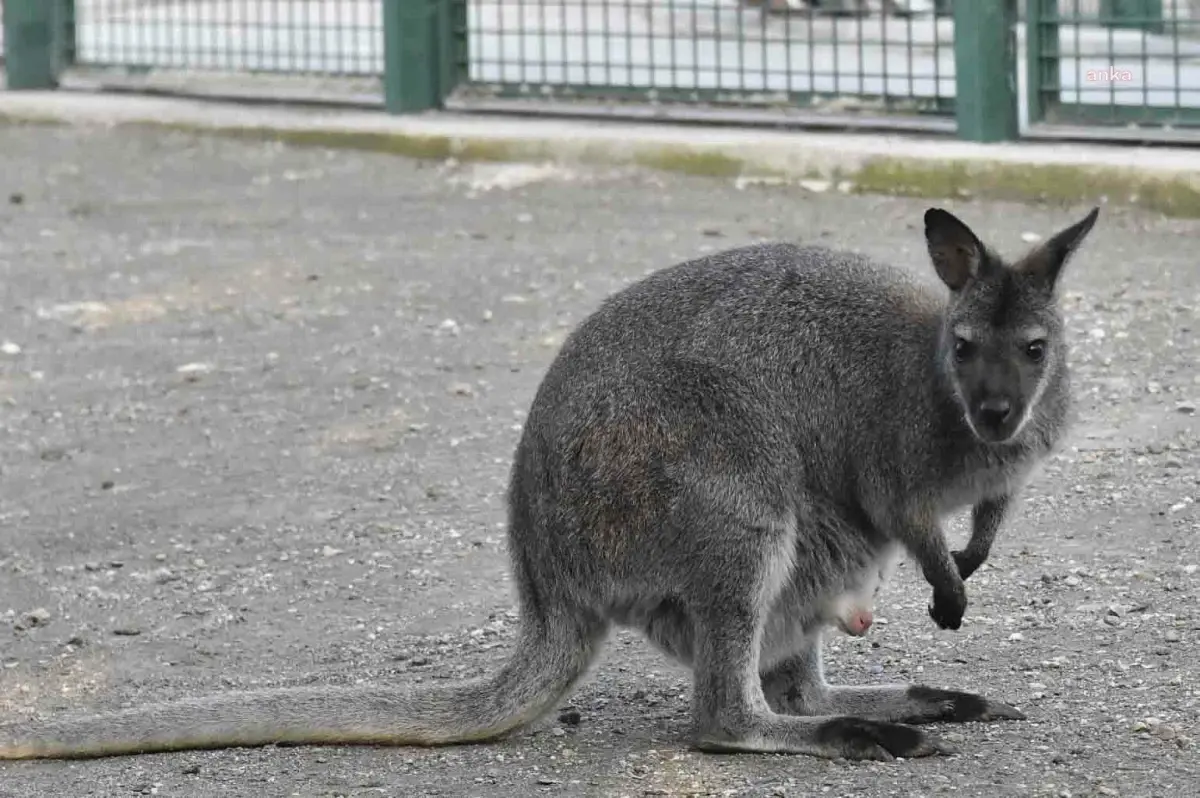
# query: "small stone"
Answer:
x=164 y=575
x=1071 y=581
x=1187 y=408
x=76 y=641
x=1164 y=732
x=461 y=389
x=33 y=619
x=107 y=484
x=1171 y=636
x=815 y=186
x=571 y=717
x=126 y=631
x=9 y=348
x=330 y=551
x=1030 y=238
x=194 y=368
x=16 y=198
x=711 y=232
x=557 y=731
x=1016 y=637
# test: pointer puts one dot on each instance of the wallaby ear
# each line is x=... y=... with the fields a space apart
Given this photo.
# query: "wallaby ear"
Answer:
x=956 y=253
x=1047 y=259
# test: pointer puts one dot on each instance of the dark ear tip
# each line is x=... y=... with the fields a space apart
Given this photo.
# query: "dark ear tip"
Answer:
x=938 y=217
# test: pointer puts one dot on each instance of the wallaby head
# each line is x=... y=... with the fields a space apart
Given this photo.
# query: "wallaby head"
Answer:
x=1002 y=338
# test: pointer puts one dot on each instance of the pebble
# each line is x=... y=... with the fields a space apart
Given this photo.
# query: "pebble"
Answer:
x=1187 y=408
x=33 y=619
x=1171 y=636
x=9 y=348
x=194 y=368
x=1071 y=581
x=461 y=389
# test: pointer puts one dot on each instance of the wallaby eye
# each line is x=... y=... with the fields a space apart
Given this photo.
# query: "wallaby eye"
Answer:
x=1035 y=351
x=963 y=349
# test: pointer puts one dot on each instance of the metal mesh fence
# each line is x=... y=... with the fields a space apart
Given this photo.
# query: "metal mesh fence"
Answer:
x=1114 y=62
x=299 y=37
x=1094 y=63
x=890 y=56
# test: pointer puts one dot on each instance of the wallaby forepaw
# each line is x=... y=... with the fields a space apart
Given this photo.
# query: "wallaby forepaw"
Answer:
x=857 y=738
x=948 y=609
x=954 y=706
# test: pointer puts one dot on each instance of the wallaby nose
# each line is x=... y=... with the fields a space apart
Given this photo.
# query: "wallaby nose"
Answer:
x=994 y=412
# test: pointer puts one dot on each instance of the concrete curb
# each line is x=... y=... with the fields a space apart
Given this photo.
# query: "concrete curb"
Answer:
x=1159 y=179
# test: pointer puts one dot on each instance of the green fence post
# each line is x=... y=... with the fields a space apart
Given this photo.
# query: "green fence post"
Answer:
x=422 y=52
x=985 y=90
x=30 y=59
x=1144 y=15
x=1042 y=83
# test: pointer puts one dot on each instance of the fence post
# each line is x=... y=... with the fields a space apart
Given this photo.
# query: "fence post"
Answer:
x=985 y=64
x=1042 y=55
x=31 y=40
x=422 y=52
x=1144 y=15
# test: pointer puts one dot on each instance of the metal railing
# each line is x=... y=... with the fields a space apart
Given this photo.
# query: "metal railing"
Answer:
x=713 y=53
x=1114 y=62
x=987 y=69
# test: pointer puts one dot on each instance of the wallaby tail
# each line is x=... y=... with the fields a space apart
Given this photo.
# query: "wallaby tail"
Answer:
x=547 y=663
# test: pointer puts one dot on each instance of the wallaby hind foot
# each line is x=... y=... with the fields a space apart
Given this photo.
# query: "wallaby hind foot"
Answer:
x=797 y=686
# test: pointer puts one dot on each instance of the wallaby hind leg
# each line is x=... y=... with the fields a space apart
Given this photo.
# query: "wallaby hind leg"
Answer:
x=797 y=686
x=729 y=710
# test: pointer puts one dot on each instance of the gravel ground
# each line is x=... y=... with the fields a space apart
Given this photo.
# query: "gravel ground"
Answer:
x=257 y=407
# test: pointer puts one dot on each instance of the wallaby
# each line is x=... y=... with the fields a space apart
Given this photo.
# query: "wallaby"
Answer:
x=715 y=453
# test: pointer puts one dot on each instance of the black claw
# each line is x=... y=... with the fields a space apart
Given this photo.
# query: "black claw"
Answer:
x=862 y=739
x=958 y=707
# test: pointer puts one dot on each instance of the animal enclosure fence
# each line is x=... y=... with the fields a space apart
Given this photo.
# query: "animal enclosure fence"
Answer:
x=988 y=69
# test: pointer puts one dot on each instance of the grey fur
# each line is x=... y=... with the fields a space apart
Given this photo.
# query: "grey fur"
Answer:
x=715 y=454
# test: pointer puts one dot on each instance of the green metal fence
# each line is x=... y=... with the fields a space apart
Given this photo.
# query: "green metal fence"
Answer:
x=712 y=53
x=987 y=69
x=1114 y=63
x=330 y=37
